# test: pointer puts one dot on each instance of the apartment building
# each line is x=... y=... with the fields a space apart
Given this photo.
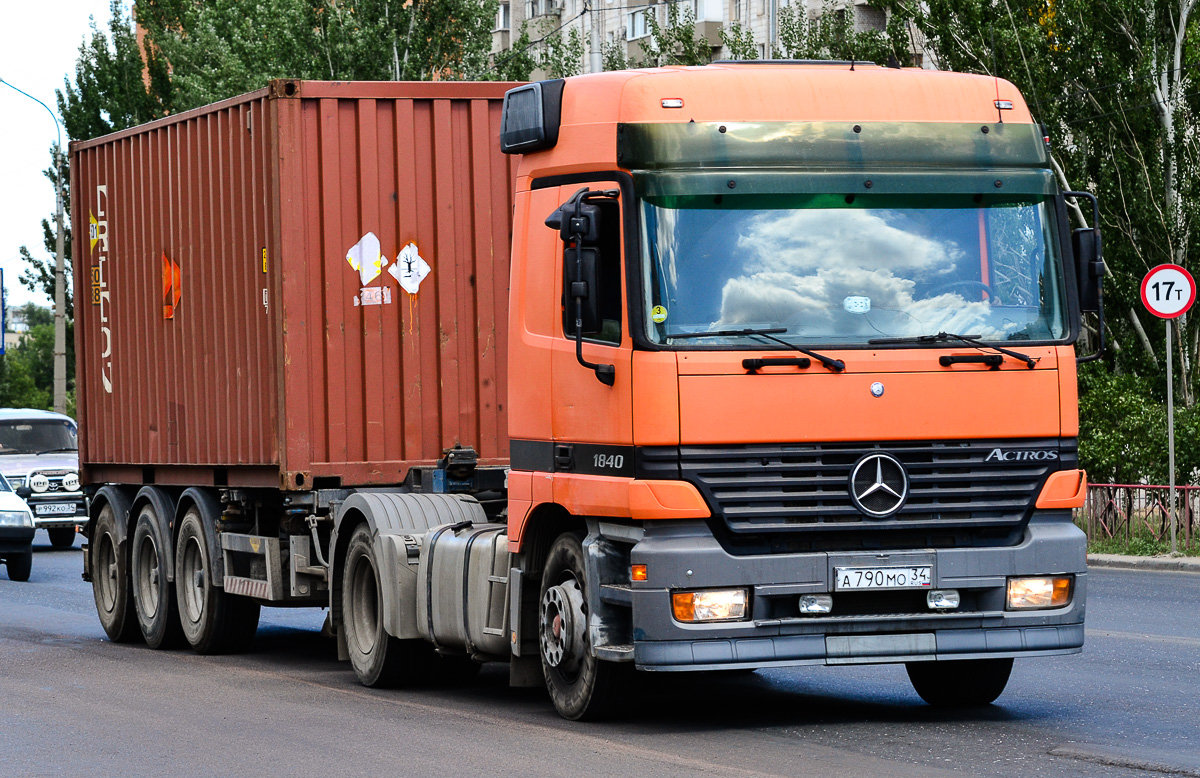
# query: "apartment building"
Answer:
x=623 y=26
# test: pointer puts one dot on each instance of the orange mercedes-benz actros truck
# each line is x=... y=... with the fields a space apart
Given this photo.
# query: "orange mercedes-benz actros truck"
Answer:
x=786 y=376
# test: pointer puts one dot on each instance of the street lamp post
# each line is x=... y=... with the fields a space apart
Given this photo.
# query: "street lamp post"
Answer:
x=60 y=291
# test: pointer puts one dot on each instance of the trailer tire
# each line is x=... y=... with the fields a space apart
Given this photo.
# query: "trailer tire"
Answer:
x=110 y=580
x=213 y=622
x=62 y=537
x=378 y=659
x=153 y=595
x=961 y=683
x=20 y=566
x=581 y=686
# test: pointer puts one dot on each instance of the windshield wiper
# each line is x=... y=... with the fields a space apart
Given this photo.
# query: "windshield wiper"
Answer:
x=970 y=340
x=836 y=365
x=54 y=450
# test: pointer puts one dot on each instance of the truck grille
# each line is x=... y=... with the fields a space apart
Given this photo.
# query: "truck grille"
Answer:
x=769 y=488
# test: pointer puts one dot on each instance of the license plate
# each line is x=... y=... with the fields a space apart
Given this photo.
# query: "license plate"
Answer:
x=54 y=509
x=854 y=578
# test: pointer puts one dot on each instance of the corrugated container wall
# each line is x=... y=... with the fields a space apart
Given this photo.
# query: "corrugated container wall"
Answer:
x=223 y=333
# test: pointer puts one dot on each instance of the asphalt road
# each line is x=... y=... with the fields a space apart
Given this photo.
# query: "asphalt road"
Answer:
x=71 y=703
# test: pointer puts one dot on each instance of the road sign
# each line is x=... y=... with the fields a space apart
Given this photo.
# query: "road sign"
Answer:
x=1168 y=291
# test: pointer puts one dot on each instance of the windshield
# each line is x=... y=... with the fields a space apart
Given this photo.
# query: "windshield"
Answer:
x=37 y=437
x=845 y=269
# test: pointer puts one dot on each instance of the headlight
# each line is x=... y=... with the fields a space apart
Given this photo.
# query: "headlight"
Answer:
x=1039 y=593
x=70 y=482
x=16 y=519
x=39 y=483
x=710 y=605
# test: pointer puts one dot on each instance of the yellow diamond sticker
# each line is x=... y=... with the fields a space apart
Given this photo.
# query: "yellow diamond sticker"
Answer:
x=93 y=230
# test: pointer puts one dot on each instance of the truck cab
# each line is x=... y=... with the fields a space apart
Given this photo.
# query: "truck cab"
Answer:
x=805 y=334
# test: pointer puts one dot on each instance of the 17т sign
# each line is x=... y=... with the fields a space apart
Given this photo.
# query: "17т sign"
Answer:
x=1168 y=291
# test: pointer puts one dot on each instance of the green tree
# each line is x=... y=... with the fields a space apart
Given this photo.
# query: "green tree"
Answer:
x=674 y=42
x=740 y=40
x=831 y=35
x=38 y=275
x=562 y=56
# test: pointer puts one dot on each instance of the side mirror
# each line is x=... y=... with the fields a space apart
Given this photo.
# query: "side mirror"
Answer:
x=1089 y=267
x=1089 y=270
x=581 y=270
x=24 y=492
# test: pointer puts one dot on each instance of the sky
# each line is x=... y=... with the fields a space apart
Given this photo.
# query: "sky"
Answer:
x=39 y=43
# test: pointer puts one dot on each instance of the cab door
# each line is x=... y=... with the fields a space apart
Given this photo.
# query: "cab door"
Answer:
x=592 y=422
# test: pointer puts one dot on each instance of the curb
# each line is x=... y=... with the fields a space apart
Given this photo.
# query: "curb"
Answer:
x=1160 y=563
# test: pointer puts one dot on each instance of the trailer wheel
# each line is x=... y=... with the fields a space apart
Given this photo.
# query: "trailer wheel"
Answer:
x=110 y=581
x=960 y=683
x=213 y=622
x=62 y=537
x=379 y=659
x=20 y=566
x=153 y=594
x=581 y=686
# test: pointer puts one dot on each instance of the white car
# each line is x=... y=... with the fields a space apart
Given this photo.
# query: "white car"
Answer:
x=16 y=533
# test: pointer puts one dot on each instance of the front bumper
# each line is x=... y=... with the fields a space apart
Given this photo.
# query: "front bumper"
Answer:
x=15 y=540
x=874 y=629
x=70 y=510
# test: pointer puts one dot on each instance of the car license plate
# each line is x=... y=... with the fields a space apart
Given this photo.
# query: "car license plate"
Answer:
x=855 y=578
x=54 y=509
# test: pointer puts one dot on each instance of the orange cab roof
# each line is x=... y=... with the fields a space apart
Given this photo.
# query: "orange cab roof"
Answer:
x=593 y=105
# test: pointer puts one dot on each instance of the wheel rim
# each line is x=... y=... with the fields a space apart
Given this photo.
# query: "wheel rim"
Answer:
x=191 y=581
x=106 y=572
x=364 y=605
x=562 y=624
x=148 y=576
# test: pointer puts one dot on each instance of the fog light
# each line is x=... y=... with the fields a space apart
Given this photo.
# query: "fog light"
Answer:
x=70 y=482
x=711 y=605
x=1034 y=593
x=39 y=483
x=942 y=599
x=815 y=603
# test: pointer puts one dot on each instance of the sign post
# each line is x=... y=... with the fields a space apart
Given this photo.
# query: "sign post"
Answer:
x=1167 y=292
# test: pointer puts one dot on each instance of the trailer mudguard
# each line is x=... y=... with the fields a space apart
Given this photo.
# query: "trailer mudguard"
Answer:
x=398 y=523
x=121 y=505
x=164 y=511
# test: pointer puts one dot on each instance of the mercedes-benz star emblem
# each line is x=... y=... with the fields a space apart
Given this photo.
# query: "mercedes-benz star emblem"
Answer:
x=878 y=485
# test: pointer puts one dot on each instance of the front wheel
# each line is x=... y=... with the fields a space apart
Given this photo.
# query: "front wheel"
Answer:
x=581 y=686
x=62 y=537
x=20 y=566
x=960 y=683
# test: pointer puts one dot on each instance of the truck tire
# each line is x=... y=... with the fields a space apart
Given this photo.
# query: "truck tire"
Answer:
x=20 y=566
x=153 y=595
x=213 y=622
x=378 y=659
x=62 y=537
x=110 y=581
x=960 y=683
x=581 y=686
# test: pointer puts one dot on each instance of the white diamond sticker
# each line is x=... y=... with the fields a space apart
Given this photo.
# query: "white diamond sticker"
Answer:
x=364 y=257
x=409 y=269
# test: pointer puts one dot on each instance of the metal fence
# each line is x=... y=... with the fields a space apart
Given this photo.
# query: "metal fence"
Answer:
x=1124 y=512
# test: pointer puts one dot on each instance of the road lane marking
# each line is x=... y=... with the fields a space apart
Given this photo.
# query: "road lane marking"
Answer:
x=1175 y=639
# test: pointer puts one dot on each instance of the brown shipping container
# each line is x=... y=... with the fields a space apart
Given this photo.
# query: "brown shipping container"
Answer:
x=222 y=334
